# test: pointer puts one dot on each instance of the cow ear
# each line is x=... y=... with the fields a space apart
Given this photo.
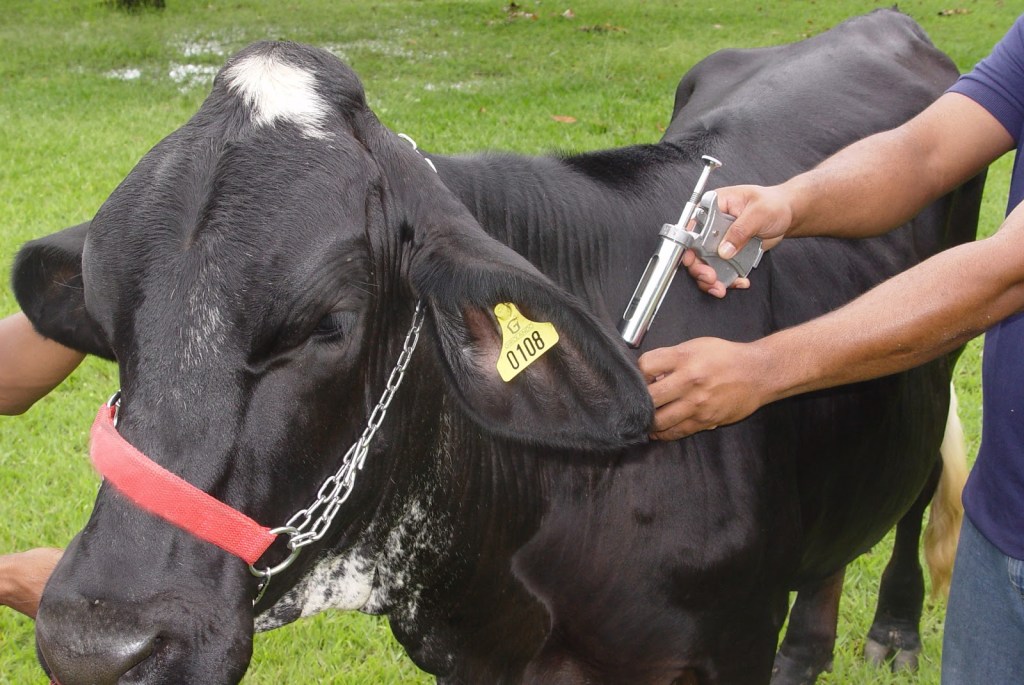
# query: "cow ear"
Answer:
x=582 y=392
x=48 y=285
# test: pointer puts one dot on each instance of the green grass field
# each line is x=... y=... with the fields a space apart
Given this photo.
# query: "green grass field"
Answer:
x=86 y=90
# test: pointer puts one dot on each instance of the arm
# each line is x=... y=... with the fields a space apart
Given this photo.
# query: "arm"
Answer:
x=912 y=318
x=853 y=194
x=23 y=576
x=30 y=365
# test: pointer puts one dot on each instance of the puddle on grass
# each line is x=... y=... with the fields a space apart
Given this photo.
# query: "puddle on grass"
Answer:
x=126 y=74
x=189 y=76
x=186 y=74
x=203 y=46
x=459 y=86
x=385 y=48
x=203 y=55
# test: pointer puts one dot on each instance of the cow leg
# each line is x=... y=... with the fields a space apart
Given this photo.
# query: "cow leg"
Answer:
x=748 y=657
x=806 y=651
x=895 y=631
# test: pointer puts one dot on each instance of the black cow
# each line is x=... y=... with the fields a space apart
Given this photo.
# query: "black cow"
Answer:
x=256 y=275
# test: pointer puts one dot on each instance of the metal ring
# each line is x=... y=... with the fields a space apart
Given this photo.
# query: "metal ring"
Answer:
x=273 y=571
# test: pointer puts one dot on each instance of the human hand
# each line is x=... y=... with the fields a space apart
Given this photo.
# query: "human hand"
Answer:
x=764 y=212
x=702 y=384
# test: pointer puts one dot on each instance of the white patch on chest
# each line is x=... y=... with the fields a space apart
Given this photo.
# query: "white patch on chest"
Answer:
x=417 y=539
x=336 y=582
x=277 y=91
x=343 y=582
x=354 y=580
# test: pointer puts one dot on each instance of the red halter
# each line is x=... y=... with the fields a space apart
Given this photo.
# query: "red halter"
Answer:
x=161 y=493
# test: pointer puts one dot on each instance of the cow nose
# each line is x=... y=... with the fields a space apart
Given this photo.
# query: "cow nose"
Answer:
x=99 y=657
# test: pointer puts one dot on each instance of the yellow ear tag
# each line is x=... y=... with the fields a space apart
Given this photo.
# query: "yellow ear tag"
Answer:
x=522 y=341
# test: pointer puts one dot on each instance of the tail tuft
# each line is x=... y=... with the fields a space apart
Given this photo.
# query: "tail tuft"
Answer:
x=943 y=530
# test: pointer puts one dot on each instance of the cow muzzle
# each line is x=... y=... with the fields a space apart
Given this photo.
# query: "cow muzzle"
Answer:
x=93 y=658
x=83 y=641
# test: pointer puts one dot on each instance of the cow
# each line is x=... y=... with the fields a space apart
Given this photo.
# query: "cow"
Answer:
x=308 y=316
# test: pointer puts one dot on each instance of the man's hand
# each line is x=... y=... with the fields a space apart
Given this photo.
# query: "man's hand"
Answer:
x=760 y=211
x=702 y=384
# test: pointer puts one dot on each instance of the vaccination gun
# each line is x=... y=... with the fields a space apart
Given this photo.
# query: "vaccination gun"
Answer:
x=710 y=225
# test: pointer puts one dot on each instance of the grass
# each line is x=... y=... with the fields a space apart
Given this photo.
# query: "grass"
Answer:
x=87 y=90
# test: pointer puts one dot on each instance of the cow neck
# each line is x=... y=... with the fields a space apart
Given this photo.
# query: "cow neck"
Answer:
x=166 y=495
x=635 y=185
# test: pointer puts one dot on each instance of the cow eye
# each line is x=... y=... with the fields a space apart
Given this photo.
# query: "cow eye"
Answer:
x=334 y=324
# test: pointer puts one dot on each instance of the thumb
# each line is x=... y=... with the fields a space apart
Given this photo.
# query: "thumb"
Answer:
x=737 y=235
x=655 y=363
x=735 y=201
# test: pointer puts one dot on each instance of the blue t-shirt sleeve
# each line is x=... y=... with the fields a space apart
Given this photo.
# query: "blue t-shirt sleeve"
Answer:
x=997 y=82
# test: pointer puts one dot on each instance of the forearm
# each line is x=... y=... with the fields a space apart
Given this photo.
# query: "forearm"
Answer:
x=30 y=365
x=852 y=195
x=886 y=179
x=8 y=578
x=906 y=321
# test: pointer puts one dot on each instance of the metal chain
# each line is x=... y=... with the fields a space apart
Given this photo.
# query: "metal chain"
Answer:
x=302 y=528
x=308 y=525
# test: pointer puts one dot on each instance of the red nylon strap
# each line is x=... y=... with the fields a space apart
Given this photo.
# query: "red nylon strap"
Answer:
x=161 y=493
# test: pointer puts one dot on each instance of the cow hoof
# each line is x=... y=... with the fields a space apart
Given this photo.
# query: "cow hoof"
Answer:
x=790 y=671
x=903 y=660
x=876 y=653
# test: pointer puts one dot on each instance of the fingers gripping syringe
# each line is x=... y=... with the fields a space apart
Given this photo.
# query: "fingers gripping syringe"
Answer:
x=710 y=225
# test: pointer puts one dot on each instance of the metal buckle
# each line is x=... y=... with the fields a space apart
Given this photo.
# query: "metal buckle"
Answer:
x=115 y=402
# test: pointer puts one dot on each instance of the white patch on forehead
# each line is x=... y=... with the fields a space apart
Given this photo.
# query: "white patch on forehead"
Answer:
x=275 y=90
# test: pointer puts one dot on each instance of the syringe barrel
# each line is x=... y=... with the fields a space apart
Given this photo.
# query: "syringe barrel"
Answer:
x=650 y=291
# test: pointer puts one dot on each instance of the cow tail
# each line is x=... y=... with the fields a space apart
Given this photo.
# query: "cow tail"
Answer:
x=943 y=530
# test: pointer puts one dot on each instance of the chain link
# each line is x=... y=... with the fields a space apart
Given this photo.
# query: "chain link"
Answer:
x=308 y=525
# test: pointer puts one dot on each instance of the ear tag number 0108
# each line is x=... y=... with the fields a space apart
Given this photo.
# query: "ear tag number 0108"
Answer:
x=522 y=341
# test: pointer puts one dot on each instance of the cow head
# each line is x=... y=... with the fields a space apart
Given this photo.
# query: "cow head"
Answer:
x=254 y=277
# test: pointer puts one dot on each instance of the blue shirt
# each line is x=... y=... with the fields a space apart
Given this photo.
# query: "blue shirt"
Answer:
x=994 y=495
